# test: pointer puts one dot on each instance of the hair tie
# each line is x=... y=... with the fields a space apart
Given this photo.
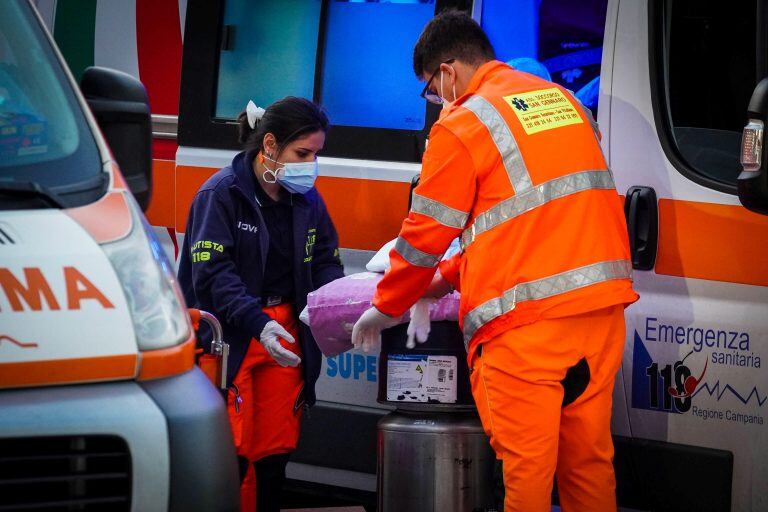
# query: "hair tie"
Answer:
x=253 y=113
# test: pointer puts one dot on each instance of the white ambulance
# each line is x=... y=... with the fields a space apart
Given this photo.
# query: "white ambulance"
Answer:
x=690 y=412
x=101 y=407
x=671 y=81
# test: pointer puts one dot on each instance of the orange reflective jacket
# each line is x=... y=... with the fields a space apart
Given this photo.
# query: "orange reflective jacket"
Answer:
x=515 y=169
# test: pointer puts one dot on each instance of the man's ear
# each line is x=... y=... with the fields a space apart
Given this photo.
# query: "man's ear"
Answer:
x=447 y=69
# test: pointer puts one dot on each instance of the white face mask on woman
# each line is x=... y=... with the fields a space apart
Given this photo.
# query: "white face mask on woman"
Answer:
x=295 y=177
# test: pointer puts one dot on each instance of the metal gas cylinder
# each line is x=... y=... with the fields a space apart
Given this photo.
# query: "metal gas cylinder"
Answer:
x=434 y=462
x=433 y=454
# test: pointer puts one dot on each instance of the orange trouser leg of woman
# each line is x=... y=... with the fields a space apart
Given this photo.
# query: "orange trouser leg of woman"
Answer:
x=266 y=419
x=517 y=382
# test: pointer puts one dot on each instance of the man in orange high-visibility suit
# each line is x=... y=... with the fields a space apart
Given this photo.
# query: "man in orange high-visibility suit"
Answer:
x=515 y=169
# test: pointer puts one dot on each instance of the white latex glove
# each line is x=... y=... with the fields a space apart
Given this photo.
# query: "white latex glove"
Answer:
x=419 y=326
x=269 y=339
x=367 y=330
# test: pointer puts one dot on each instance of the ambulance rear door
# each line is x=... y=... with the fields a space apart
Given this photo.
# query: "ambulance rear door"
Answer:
x=672 y=111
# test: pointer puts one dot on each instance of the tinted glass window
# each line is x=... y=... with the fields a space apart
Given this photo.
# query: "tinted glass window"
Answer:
x=559 y=40
x=270 y=50
x=44 y=137
x=711 y=73
x=367 y=77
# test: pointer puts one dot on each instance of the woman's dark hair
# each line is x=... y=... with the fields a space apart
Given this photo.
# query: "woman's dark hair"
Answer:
x=451 y=35
x=287 y=119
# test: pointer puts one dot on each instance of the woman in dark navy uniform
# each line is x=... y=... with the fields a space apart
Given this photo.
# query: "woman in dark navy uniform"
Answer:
x=258 y=240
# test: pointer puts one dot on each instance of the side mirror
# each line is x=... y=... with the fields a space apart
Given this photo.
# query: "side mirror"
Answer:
x=119 y=103
x=752 y=183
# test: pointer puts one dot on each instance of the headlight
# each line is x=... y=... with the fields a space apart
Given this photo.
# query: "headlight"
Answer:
x=148 y=280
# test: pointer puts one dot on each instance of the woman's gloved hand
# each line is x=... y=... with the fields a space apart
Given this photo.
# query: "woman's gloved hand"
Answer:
x=419 y=326
x=367 y=330
x=269 y=339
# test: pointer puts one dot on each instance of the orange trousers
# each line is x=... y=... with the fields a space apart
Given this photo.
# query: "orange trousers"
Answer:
x=265 y=402
x=517 y=381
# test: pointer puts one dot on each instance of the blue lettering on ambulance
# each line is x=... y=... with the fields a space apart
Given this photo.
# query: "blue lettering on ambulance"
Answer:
x=696 y=337
x=345 y=366
x=371 y=368
x=352 y=366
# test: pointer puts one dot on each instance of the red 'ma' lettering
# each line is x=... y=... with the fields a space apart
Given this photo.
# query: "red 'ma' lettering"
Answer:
x=33 y=293
x=37 y=290
x=80 y=288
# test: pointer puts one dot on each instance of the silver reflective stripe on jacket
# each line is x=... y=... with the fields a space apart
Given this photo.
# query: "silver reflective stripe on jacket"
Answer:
x=504 y=140
x=588 y=114
x=443 y=214
x=535 y=197
x=414 y=256
x=542 y=289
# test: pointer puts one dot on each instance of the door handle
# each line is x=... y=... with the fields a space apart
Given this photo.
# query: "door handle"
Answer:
x=414 y=183
x=642 y=213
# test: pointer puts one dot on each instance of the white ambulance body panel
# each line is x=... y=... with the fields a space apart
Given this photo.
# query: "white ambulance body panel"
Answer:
x=713 y=331
x=78 y=300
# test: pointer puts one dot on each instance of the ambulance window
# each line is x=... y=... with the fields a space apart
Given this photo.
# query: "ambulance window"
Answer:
x=267 y=54
x=711 y=68
x=559 y=40
x=367 y=77
x=353 y=57
x=44 y=137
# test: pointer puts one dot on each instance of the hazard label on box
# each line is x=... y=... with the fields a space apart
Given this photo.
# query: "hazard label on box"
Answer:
x=421 y=378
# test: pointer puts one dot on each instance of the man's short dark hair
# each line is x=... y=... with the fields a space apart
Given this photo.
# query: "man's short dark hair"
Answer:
x=451 y=35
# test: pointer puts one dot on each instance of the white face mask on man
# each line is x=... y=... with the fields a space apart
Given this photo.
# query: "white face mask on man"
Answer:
x=446 y=103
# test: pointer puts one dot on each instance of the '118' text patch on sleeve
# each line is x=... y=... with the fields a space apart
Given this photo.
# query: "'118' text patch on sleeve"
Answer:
x=541 y=110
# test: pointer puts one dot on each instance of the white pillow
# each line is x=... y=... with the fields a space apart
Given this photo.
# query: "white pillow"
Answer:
x=380 y=261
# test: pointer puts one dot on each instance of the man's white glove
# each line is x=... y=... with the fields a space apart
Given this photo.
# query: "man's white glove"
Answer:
x=367 y=330
x=269 y=339
x=419 y=327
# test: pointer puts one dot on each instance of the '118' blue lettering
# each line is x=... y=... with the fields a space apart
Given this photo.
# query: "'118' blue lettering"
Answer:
x=353 y=366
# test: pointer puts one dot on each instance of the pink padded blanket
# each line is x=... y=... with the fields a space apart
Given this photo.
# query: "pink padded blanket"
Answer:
x=334 y=309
